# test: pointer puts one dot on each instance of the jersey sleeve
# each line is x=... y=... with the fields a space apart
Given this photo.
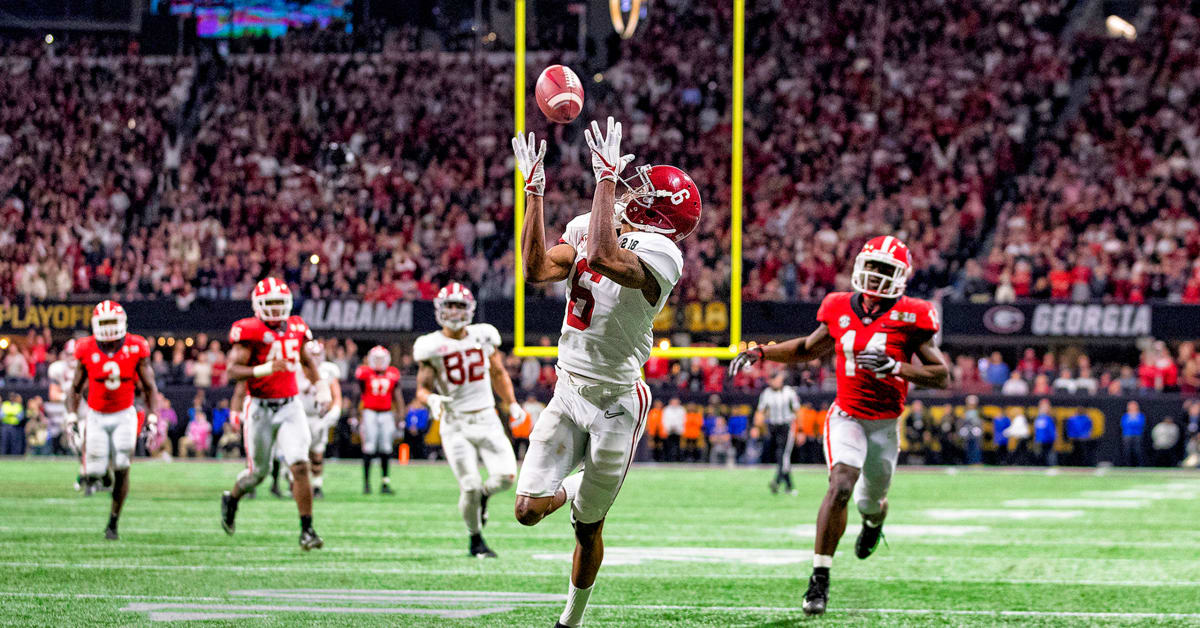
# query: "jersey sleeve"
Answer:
x=362 y=372
x=928 y=319
x=422 y=349
x=393 y=374
x=298 y=324
x=245 y=330
x=575 y=230
x=489 y=334
x=56 y=371
x=329 y=370
x=658 y=253
x=143 y=347
x=827 y=311
x=81 y=351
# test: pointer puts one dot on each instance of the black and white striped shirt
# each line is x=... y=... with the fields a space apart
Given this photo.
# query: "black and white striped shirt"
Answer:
x=779 y=406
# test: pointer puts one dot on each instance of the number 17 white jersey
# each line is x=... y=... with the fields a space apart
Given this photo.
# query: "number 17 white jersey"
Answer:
x=606 y=332
x=462 y=365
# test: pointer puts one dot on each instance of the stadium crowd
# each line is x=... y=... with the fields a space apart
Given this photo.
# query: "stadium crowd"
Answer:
x=382 y=175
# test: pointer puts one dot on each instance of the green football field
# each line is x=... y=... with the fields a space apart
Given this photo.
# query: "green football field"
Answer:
x=685 y=547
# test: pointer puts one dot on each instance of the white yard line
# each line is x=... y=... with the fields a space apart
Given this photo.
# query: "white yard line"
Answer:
x=485 y=569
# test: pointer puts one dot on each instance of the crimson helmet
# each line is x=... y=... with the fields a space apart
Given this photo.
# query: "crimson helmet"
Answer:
x=661 y=199
x=271 y=300
x=108 y=321
x=884 y=251
x=379 y=358
x=454 y=306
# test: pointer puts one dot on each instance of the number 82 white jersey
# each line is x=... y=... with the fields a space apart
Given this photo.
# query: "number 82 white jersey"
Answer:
x=461 y=365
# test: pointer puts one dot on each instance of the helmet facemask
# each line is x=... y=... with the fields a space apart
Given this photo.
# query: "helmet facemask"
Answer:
x=109 y=327
x=454 y=313
x=273 y=308
x=636 y=206
x=879 y=275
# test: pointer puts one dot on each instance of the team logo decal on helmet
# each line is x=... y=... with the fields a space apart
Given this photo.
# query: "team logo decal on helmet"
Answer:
x=454 y=307
x=882 y=268
x=661 y=199
x=272 y=300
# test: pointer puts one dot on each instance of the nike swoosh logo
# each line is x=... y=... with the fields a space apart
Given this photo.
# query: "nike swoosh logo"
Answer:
x=613 y=415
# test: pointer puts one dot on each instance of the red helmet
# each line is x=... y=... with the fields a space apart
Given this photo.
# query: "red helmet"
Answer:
x=108 y=321
x=271 y=300
x=886 y=283
x=454 y=306
x=661 y=199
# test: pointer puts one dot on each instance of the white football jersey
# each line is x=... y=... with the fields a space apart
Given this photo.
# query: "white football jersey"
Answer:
x=462 y=365
x=308 y=389
x=606 y=332
x=61 y=372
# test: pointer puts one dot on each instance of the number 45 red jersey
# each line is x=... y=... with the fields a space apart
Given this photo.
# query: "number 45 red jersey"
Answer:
x=267 y=344
x=111 y=377
x=377 y=386
x=898 y=331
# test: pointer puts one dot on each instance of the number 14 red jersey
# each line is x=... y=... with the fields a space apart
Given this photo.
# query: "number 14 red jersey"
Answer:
x=898 y=331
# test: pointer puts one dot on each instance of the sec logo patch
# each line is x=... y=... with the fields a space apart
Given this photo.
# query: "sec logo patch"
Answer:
x=844 y=321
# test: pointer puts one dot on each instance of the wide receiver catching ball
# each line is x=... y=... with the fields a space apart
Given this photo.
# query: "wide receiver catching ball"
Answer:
x=559 y=94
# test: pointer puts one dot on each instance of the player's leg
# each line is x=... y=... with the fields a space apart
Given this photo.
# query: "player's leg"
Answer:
x=556 y=446
x=96 y=451
x=369 y=434
x=612 y=441
x=293 y=440
x=498 y=457
x=845 y=452
x=464 y=461
x=123 y=438
x=316 y=456
x=785 y=458
x=870 y=492
x=387 y=433
x=258 y=434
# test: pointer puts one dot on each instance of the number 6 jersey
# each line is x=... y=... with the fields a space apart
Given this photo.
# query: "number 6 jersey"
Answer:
x=898 y=331
x=461 y=365
x=606 y=333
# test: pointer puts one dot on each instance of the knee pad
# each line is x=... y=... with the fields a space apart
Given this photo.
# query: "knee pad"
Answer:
x=498 y=483
x=121 y=460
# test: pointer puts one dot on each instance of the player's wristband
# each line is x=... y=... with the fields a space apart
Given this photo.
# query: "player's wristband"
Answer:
x=263 y=370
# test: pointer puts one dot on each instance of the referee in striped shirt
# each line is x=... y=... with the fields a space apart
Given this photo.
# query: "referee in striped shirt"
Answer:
x=777 y=407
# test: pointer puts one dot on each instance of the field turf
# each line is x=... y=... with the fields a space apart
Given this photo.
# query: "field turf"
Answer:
x=685 y=547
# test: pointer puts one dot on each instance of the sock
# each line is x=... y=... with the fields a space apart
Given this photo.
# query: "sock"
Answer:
x=469 y=506
x=366 y=470
x=305 y=522
x=821 y=564
x=476 y=539
x=318 y=481
x=577 y=600
x=112 y=521
x=571 y=486
x=383 y=466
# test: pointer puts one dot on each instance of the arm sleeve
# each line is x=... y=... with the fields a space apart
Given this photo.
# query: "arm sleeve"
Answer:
x=928 y=319
x=329 y=370
x=362 y=372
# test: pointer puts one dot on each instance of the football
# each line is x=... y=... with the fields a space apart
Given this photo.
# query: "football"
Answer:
x=559 y=94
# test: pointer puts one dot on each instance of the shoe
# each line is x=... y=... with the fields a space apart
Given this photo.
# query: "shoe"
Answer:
x=276 y=492
x=110 y=533
x=318 y=493
x=774 y=486
x=310 y=540
x=386 y=490
x=868 y=540
x=793 y=492
x=90 y=487
x=479 y=549
x=817 y=596
x=228 y=512
x=483 y=510
x=366 y=489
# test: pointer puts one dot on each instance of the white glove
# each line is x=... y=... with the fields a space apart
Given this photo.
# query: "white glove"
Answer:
x=330 y=418
x=531 y=164
x=323 y=396
x=151 y=424
x=607 y=161
x=74 y=437
x=437 y=405
x=516 y=413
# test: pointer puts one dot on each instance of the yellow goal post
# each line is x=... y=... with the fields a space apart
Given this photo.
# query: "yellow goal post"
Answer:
x=735 y=207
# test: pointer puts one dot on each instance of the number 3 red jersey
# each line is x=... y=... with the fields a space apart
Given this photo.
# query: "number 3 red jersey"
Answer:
x=112 y=378
x=377 y=387
x=898 y=331
x=267 y=344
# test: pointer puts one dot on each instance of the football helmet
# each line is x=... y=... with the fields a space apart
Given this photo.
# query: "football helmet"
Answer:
x=108 y=321
x=68 y=352
x=379 y=358
x=892 y=255
x=661 y=199
x=454 y=307
x=271 y=300
x=316 y=350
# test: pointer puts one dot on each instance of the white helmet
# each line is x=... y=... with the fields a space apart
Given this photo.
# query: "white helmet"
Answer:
x=379 y=358
x=271 y=300
x=68 y=350
x=316 y=350
x=108 y=321
x=454 y=307
x=886 y=252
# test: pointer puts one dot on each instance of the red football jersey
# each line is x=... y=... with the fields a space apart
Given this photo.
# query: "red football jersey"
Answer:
x=267 y=344
x=898 y=332
x=112 y=378
x=377 y=387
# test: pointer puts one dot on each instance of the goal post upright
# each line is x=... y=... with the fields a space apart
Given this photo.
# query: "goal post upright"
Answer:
x=520 y=348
